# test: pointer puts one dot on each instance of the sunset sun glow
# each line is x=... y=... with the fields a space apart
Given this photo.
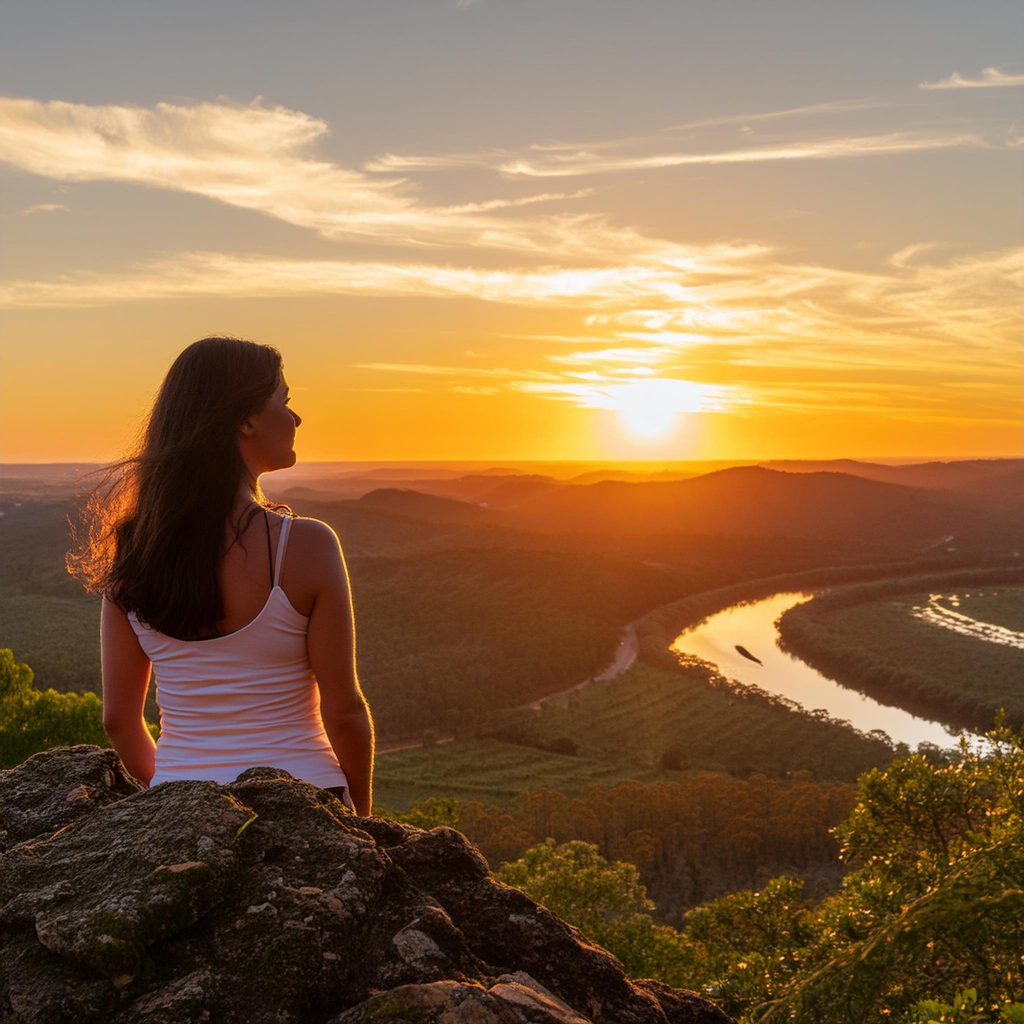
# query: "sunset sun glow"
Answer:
x=651 y=408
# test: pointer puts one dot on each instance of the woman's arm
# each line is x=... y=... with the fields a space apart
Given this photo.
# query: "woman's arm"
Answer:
x=126 y=671
x=330 y=640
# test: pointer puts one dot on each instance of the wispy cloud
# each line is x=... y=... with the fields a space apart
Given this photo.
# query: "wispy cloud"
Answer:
x=260 y=158
x=508 y=204
x=255 y=157
x=492 y=158
x=653 y=270
x=638 y=356
x=808 y=110
x=391 y=163
x=726 y=323
x=560 y=165
x=738 y=319
x=665 y=395
x=44 y=208
x=990 y=78
x=438 y=370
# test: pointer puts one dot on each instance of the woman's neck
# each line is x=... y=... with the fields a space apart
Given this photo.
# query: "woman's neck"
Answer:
x=245 y=497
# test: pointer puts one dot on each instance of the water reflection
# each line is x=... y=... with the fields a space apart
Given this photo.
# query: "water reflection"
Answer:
x=938 y=613
x=752 y=627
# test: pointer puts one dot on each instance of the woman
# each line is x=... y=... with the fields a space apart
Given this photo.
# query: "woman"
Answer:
x=242 y=609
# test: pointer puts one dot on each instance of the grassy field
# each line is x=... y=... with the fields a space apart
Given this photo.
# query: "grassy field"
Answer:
x=494 y=771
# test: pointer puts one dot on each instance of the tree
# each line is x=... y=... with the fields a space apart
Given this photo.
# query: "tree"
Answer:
x=934 y=903
x=606 y=901
x=434 y=811
x=749 y=945
x=32 y=720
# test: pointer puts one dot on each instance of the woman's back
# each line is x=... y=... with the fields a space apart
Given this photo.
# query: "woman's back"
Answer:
x=247 y=696
x=245 y=573
x=253 y=648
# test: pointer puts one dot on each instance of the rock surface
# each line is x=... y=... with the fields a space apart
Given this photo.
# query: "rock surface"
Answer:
x=266 y=901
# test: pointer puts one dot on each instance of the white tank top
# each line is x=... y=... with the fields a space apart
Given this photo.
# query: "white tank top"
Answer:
x=241 y=700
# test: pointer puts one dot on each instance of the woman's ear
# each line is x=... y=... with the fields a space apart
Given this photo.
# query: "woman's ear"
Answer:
x=247 y=428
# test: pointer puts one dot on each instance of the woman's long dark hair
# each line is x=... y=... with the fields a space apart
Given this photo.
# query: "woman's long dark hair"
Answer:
x=151 y=533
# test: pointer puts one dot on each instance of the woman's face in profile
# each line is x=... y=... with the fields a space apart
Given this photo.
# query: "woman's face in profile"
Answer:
x=275 y=427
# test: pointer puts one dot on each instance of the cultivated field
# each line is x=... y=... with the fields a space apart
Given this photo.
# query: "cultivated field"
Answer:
x=494 y=771
x=690 y=716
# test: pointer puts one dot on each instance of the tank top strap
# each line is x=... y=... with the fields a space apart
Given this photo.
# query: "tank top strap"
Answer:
x=270 y=547
x=281 y=545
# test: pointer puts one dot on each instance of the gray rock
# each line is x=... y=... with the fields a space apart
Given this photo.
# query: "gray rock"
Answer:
x=267 y=901
x=38 y=796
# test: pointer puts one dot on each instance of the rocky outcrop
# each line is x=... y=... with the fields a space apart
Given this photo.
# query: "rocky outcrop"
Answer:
x=267 y=901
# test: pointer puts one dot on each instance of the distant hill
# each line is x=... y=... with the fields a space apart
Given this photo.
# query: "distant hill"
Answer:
x=1005 y=490
x=755 y=501
x=931 y=475
x=741 y=502
x=498 y=487
x=423 y=507
x=597 y=475
x=495 y=490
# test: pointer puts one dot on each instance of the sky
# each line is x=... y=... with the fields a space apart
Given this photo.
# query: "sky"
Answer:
x=512 y=229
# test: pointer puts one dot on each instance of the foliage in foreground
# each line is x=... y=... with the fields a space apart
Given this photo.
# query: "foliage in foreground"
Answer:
x=926 y=927
x=606 y=901
x=934 y=902
x=32 y=720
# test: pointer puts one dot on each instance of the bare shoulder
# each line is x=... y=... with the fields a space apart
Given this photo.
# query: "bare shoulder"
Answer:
x=313 y=564
x=314 y=544
x=313 y=531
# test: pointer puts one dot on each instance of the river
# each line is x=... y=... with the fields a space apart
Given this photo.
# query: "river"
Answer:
x=752 y=626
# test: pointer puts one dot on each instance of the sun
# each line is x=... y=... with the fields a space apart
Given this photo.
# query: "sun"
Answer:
x=647 y=421
x=650 y=409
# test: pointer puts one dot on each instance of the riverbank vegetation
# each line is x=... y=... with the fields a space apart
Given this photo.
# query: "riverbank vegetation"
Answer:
x=690 y=840
x=658 y=628
x=453 y=639
x=868 y=638
x=685 y=843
